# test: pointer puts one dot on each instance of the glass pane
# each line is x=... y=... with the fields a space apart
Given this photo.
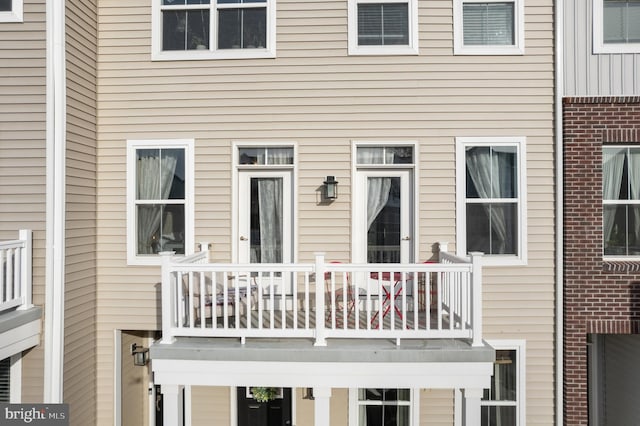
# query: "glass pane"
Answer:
x=242 y=28
x=488 y=23
x=492 y=228
x=279 y=155
x=504 y=380
x=498 y=416
x=268 y=155
x=614 y=25
x=160 y=174
x=383 y=24
x=399 y=155
x=370 y=155
x=240 y=1
x=160 y=228
x=5 y=6
x=492 y=172
x=614 y=176
x=185 y=30
x=198 y=29
x=383 y=219
x=251 y=155
x=633 y=22
x=266 y=218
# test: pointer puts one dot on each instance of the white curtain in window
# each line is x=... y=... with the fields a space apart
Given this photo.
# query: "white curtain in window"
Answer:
x=378 y=190
x=154 y=176
x=634 y=188
x=612 y=170
x=270 y=204
x=488 y=23
x=481 y=165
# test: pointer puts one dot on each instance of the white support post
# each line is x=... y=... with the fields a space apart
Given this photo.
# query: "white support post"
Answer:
x=172 y=407
x=204 y=246
x=26 y=270
x=168 y=305
x=476 y=289
x=471 y=411
x=443 y=248
x=322 y=406
x=320 y=305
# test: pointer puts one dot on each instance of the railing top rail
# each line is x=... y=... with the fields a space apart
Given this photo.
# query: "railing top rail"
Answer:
x=193 y=258
x=12 y=244
x=453 y=258
x=243 y=267
x=397 y=267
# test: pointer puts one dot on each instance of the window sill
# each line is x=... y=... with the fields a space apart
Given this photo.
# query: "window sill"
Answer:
x=382 y=50
x=619 y=264
x=499 y=260
x=488 y=50
x=200 y=55
x=613 y=48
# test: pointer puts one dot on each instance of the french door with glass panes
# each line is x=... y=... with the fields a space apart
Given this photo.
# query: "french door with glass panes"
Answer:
x=384 y=218
x=265 y=216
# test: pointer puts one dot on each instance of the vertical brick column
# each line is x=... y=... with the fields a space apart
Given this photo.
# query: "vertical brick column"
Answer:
x=599 y=296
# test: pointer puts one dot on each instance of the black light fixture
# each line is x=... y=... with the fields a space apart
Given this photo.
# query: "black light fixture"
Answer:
x=331 y=188
x=140 y=355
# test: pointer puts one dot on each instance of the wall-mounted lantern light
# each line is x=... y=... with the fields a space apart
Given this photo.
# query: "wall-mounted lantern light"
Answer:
x=331 y=188
x=140 y=355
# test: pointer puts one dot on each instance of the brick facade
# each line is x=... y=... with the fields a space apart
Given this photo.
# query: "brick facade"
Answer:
x=600 y=296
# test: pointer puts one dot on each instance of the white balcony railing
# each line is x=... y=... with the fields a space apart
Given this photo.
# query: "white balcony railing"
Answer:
x=322 y=300
x=15 y=272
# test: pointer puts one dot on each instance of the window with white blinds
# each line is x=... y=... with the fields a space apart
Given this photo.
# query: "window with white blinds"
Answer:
x=621 y=21
x=488 y=23
x=488 y=27
x=383 y=28
x=616 y=26
x=5 y=380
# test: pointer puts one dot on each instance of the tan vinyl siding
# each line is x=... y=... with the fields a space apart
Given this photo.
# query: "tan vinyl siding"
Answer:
x=436 y=407
x=134 y=382
x=81 y=226
x=210 y=405
x=22 y=157
x=315 y=96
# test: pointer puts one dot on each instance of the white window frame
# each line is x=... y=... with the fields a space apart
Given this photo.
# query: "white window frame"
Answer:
x=414 y=404
x=458 y=31
x=520 y=347
x=157 y=54
x=599 y=46
x=15 y=14
x=410 y=49
x=15 y=378
x=132 y=146
x=461 y=206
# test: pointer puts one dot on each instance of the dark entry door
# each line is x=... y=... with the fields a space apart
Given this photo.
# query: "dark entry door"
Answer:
x=272 y=413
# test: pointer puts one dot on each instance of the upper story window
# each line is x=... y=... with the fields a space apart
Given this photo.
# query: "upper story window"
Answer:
x=159 y=199
x=213 y=29
x=488 y=27
x=10 y=10
x=616 y=26
x=621 y=199
x=387 y=27
x=491 y=211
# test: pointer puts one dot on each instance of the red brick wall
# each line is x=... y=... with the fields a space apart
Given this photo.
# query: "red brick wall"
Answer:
x=600 y=297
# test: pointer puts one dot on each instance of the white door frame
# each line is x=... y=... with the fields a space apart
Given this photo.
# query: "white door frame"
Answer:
x=407 y=200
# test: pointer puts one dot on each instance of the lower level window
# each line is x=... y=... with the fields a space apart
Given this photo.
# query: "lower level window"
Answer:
x=5 y=380
x=384 y=407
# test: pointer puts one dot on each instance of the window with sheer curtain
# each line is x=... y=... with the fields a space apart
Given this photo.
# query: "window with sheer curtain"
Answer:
x=621 y=200
x=491 y=210
x=159 y=198
x=10 y=10
x=501 y=402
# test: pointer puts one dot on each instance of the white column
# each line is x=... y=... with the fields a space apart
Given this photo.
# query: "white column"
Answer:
x=320 y=339
x=322 y=407
x=172 y=407
x=471 y=410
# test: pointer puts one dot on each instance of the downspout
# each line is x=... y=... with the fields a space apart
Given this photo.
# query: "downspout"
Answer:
x=559 y=77
x=55 y=203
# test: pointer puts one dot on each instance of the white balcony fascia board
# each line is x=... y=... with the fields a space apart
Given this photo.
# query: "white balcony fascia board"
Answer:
x=432 y=375
x=18 y=339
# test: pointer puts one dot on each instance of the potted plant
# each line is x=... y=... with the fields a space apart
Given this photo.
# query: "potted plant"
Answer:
x=264 y=394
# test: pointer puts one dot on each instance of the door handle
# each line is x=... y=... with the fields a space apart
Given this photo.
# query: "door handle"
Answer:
x=242 y=238
x=407 y=238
